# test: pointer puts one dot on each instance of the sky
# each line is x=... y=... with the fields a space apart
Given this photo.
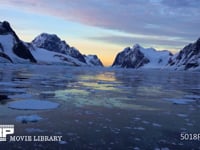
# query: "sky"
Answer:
x=106 y=27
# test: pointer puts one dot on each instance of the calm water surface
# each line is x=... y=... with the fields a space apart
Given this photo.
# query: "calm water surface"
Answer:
x=103 y=108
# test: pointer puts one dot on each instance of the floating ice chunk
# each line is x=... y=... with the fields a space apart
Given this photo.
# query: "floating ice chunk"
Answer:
x=145 y=122
x=182 y=115
x=183 y=129
x=8 y=84
x=164 y=148
x=193 y=96
x=90 y=122
x=12 y=90
x=137 y=118
x=156 y=125
x=33 y=130
x=139 y=128
x=180 y=101
x=30 y=118
x=128 y=127
x=20 y=96
x=62 y=142
x=32 y=105
x=189 y=124
x=137 y=139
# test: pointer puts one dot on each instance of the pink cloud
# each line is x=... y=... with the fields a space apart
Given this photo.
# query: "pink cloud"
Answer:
x=131 y=16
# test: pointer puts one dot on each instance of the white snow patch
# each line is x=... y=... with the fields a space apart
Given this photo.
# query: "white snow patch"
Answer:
x=32 y=105
x=7 y=42
x=157 y=59
x=48 y=57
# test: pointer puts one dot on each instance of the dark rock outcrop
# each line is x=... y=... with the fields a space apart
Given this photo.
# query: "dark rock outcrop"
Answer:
x=138 y=57
x=188 y=57
x=3 y=55
x=18 y=47
x=130 y=58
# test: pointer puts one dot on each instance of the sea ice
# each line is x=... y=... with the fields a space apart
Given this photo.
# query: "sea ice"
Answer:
x=62 y=142
x=30 y=118
x=32 y=105
x=193 y=96
x=182 y=115
x=20 y=96
x=33 y=130
x=156 y=125
x=139 y=128
x=180 y=101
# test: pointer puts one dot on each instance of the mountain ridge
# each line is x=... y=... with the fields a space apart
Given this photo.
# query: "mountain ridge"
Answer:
x=44 y=49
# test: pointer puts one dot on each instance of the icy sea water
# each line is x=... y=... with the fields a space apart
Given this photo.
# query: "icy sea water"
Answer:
x=102 y=108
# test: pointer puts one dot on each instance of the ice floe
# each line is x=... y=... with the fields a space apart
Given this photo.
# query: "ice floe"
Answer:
x=182 y=115
x=32 y=105
x=139 y=128
x=156 y=125
x=62 y=142
x=180 y=101
x=34 y=130
x=193 y=97
x=20 y=96
x=30 y=118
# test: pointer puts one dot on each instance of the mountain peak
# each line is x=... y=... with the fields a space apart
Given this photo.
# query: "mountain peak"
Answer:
x=53 y=43
x=136 y=46
x=138 y=56
x=48 y=35
x=198 y=41
x=5 y=27
x=12 y=45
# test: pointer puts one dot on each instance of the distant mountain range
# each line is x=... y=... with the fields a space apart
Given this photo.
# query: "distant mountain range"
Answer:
x=50 y=49
x=138 y=57
x=44 y=49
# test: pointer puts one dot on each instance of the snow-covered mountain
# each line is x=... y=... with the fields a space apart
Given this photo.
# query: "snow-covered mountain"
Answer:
x=53 y=43
x=138 y=57
x=44 y=49
x=187 y=58
x=12 y=49
x=93 y=60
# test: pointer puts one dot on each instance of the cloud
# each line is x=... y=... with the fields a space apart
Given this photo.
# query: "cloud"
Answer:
x=170 y=43
x=172 y=18
x=182 y=3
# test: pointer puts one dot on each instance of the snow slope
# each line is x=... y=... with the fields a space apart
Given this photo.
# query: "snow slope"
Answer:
x=93 y=60
x=47 y=57
x=7 y=44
